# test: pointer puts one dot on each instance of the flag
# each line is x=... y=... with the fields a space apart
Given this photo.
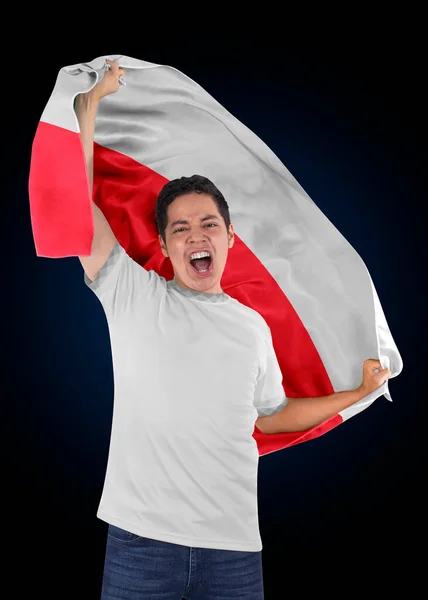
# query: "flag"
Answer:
x=289 y=262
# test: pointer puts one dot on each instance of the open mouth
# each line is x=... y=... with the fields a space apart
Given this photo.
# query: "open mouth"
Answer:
x=201 y=263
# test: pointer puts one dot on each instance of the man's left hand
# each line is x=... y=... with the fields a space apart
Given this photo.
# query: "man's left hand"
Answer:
x=373 y=376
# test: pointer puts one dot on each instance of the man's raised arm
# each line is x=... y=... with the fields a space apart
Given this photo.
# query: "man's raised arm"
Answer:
x=86 y=106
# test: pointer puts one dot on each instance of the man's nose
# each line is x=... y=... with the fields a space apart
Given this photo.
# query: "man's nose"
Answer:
x=197 y=236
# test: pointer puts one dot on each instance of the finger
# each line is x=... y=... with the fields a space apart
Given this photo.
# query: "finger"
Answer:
x=121 y=76
x=116 y=71
x=374 y=365
x=383 y=376
x=111 y=65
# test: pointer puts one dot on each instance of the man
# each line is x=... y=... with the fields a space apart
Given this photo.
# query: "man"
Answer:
x=194 y=371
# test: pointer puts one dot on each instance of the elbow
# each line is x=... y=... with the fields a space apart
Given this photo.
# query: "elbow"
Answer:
x=270 y=425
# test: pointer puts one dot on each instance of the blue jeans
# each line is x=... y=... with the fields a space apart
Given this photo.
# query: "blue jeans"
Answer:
x=139 y=568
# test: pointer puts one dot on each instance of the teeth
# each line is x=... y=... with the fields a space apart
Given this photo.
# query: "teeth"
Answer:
x=199 y=255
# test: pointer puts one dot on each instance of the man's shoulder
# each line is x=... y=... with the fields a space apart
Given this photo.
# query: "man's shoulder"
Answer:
x=251 y=314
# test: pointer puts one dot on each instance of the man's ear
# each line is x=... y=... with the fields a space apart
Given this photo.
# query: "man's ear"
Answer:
x=163 y=246
x=231 y=235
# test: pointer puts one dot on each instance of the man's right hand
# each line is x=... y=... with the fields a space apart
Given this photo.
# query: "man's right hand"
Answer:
x=109 y=84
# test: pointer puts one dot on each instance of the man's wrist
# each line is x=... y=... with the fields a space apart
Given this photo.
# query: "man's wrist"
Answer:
x=361 y=392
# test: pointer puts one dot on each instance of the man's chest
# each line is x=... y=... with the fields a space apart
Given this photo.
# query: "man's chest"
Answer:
x=191 y=351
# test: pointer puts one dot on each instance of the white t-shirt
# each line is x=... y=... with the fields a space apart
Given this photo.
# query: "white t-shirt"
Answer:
x=192 y=372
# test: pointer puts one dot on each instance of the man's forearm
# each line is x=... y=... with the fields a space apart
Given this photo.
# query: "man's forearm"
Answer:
x=86 y=106
x=301 y=414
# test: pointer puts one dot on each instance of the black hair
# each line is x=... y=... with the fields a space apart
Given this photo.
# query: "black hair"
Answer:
x=186 y=185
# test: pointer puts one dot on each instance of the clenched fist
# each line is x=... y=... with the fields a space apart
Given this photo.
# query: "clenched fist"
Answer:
x=373 y=376
x=110 y=83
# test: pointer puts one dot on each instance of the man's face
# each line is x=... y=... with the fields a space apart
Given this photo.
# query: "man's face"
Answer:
x=195 y=227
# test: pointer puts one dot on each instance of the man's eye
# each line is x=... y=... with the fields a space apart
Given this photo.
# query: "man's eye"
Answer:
x=211 y=225
x=179 y=229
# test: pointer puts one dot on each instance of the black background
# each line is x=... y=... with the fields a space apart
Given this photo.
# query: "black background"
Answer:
x=343 y=514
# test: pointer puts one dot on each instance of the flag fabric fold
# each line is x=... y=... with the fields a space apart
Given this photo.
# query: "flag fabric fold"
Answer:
x=289 y=262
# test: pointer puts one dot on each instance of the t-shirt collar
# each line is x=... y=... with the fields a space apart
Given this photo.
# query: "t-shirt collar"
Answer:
x=194 y=294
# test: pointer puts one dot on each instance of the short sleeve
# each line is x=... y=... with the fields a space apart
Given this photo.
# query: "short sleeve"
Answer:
x=270 y=396
x=121 y=282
